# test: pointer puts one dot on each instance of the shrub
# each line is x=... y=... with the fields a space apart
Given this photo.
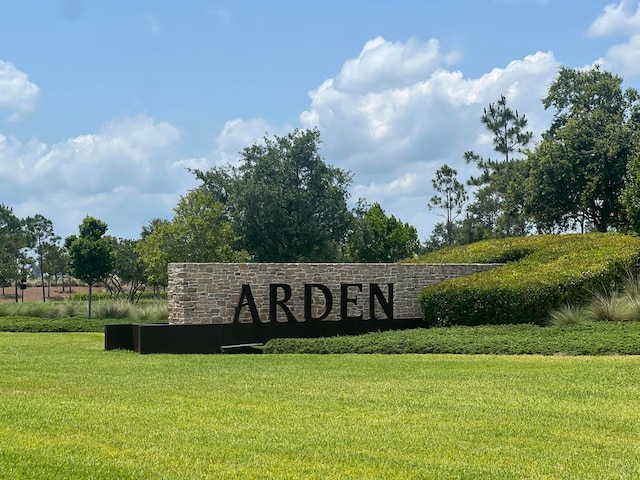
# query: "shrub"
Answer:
x=97 y=296
x=544 y=273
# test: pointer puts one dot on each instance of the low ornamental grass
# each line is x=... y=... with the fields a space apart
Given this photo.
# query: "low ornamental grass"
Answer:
x=620 y=304
x=70 y=410
x=73 y=312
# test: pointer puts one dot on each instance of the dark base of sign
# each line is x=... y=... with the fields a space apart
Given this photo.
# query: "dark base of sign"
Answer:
x=220 y=337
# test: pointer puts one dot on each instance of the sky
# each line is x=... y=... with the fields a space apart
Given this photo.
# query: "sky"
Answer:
x=106 y=104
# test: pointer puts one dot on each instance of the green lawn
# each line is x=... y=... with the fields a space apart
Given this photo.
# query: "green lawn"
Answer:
x=68 y=409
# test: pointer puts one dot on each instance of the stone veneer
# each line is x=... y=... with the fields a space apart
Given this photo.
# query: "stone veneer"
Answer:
x=210 y=292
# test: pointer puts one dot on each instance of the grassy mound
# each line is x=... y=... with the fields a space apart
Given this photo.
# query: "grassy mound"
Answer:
x=541 y=273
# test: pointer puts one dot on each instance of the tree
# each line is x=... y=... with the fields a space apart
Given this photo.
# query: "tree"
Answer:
x=631 y=194
x=577 y=172
x=56 y=262
x=199 y=232
x=12 y=240
x=286 y=204
x=128 y=277
x=154 y=250
x=90 y=253
x=41 y=237
x=499 y=199
x=378 y=238
x=450 y=200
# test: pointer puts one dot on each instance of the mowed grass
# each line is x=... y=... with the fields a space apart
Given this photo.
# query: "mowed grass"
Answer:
x=69 y=409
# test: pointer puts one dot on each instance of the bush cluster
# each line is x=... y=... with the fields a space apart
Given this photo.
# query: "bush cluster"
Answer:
x=542 y=273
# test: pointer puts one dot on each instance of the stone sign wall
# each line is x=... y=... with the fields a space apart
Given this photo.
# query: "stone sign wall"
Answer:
x=219 y=293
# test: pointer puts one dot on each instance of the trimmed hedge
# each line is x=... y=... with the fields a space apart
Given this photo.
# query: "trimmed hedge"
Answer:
x=599 y=338
x=542 y=273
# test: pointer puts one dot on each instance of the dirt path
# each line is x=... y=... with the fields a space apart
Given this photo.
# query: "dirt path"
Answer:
x=34 y=294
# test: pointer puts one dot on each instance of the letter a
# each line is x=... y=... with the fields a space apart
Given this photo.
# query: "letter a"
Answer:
x=246 y=298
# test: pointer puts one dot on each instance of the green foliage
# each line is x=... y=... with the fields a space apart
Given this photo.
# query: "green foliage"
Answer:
x=630 y=199
x=378 y=238
x=107 y=296
x=577 y=172
x=543 y=273
x=286 y=204
x=56 y=325
x=450 y=199
x=12 y=239
x=127 y=279
x=199 y=232
x=570 y=338
x=90 y=253
x=617 y=305
x=42 y=239
x=65 y=316
x=498 y=207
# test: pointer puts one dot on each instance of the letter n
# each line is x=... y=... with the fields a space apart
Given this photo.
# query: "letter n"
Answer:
x=386 y=303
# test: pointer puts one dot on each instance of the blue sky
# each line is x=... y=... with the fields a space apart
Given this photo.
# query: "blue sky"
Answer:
x=104 y=104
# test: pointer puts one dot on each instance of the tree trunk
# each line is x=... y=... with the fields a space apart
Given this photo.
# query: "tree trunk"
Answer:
x=89 y=298
x=42 y=279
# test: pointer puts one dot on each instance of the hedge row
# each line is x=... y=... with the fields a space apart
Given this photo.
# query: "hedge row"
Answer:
x=542 y=273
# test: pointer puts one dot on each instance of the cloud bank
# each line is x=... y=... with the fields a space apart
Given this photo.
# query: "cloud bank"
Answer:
x=392 y=115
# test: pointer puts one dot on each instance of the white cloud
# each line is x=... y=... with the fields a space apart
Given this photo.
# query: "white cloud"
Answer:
x=392 y=116
x=616 y=19
x=383 y=64
x=234 y=137
x=17 y=92
x=620 y=19
x=396 y=113
x=126 y=173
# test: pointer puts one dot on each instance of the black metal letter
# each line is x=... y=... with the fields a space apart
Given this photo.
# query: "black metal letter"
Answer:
x=246 y=298
x=385 y=303
x=274 y=302
x=328 y=301
x=345 y=301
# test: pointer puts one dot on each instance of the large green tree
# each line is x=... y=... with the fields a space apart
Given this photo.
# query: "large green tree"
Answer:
x=90 y=255
x=286 y=203
x=498 y=206
x=379 y=238
x=12 y=240
x=198 y=232
x=577 y=172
